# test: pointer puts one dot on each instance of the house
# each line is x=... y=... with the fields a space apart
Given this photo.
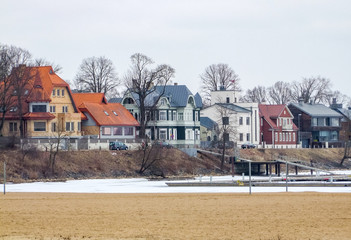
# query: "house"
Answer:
x=345 y=132
x=176 y=118
x=103 y=119
x=47 y=108
x=277 y=127
x=243 y=117
x=319 y=126
x=208 y=130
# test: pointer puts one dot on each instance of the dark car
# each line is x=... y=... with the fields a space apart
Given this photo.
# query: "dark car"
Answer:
x=248 y=145
x=163 y=144
x=118 y=146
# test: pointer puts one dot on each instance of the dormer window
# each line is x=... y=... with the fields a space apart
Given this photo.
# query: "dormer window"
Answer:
x=14 y=92
x=13 y=109
x=106 y=113
x=26 y=92
x=163 y=102
x=39 y=108
x=114 y=113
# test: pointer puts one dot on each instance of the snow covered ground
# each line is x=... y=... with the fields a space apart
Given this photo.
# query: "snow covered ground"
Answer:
x=141 y=185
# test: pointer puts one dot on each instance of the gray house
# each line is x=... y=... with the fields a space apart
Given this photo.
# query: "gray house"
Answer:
x=176 y=118
x=319 y=126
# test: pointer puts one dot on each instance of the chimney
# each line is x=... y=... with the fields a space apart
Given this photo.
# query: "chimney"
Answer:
x=175 y=84
x=300 y=101
x=334 y=100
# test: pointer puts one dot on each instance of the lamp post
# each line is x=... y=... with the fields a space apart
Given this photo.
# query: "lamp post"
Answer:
x=298 y=120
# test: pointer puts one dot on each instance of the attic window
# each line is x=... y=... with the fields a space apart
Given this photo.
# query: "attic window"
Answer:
x=26 y=92
x=106 y=113
x=51 y=72
x=115 y=113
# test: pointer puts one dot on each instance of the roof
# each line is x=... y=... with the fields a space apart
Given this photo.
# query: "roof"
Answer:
x=207 y=122
x=177 y=96
x=316 y=110
x=115 y=100
x=270 y=112
x=198 y=100
x=233 y=107
x=38 y=116
x=79 y=98
x=345 y=112
x=111 y=114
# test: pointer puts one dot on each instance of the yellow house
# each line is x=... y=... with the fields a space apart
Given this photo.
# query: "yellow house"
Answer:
x=47 y=107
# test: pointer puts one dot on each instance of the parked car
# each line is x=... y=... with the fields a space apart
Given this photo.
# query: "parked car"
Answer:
x=163 y=144
x=248 y=145
x=118 y=146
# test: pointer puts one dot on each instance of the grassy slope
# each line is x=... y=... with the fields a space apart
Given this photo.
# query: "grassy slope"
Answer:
x=106 y=164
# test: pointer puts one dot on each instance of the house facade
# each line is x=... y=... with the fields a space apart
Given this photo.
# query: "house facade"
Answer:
x=176 y=118
x=47 y=108
x=345 y=132
x=319 y=126
x=277 y=128
x=105 y=120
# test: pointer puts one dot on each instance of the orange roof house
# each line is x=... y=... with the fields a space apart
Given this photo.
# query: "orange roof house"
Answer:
x=106 y=120
x=42 y=103
x=277 y=126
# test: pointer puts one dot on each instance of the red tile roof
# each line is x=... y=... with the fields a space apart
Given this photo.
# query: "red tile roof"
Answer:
x=103 y=113
x=270 y=112
x=38 y=116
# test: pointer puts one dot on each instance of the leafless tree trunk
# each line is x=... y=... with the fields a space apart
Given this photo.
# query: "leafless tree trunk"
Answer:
x=257 y=94
x=97 y=74
x=280 y=93
x=219 y=75
x=144 y=82
x=313 y=89
x=150 y=155
x=10 y=58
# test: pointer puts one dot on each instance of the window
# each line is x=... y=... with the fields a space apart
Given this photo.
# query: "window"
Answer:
x=293 y=135
x=72 y=126
x=128 y=131
x=26 y=92
x=163 y=101
x=106 y=113
x=39 y=108
x=228 y=100
x=334 y=122
x=118 y=131
x=248 y=137
x=52 y=109
x=13 y=127
x=106 y=131
x=240 y=120
x=289 y=137
x=196 y=116
x=180 y=116
x=53 y=127
x=276 y=137
x=280 y=137
x=79 y=126
x=163 y=115
x=39 y=126
x=54 y=93
x=334 y=136
x=321 y=122
x=114 y=113
x=247 y=121
x=163 y=134
x=58 y=92
x=261 y=121
x=169 y=115
x=241 y=137
x=63 y=92
x=283 y=135
x=174 y=115
x=64 y=109
x=189 y=134
x=13 y=109
x=314 y=121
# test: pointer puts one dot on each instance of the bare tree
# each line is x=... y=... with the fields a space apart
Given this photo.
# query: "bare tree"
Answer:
x=225 y=130
x=219 y=75
x=339 y=97
x=313 y=89
x=97 y=74
x=257 y=94
x=43 y=62
x=11 y=58
x=144 y=82
x=280 y=93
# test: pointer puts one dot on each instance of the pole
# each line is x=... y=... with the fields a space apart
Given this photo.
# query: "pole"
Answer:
x=4 y=177
x=286 y=177
x=250 y=177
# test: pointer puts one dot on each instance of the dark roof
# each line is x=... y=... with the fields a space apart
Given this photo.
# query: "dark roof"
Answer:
x=177 y=96
x=115 y=100
x=198 y=100
x=233 y=107
x=316 y=110
x=207 y=122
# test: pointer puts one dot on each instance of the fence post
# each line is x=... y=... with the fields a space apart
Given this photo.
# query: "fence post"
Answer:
x=4 y=177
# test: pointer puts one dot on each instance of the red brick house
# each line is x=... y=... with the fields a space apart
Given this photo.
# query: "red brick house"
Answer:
x=277 y=127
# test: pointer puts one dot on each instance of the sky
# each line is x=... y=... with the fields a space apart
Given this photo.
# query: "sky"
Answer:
x=263 y=41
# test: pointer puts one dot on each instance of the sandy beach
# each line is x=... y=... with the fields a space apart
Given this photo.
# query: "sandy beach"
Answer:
x=175 y=216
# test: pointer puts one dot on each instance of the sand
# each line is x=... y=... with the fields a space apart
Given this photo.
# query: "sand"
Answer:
x=175 y=216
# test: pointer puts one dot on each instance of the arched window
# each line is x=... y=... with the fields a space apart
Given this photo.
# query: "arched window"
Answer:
x=128 y=101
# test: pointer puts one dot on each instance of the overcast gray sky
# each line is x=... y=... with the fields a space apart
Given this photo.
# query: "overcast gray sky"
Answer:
x=263 y=41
